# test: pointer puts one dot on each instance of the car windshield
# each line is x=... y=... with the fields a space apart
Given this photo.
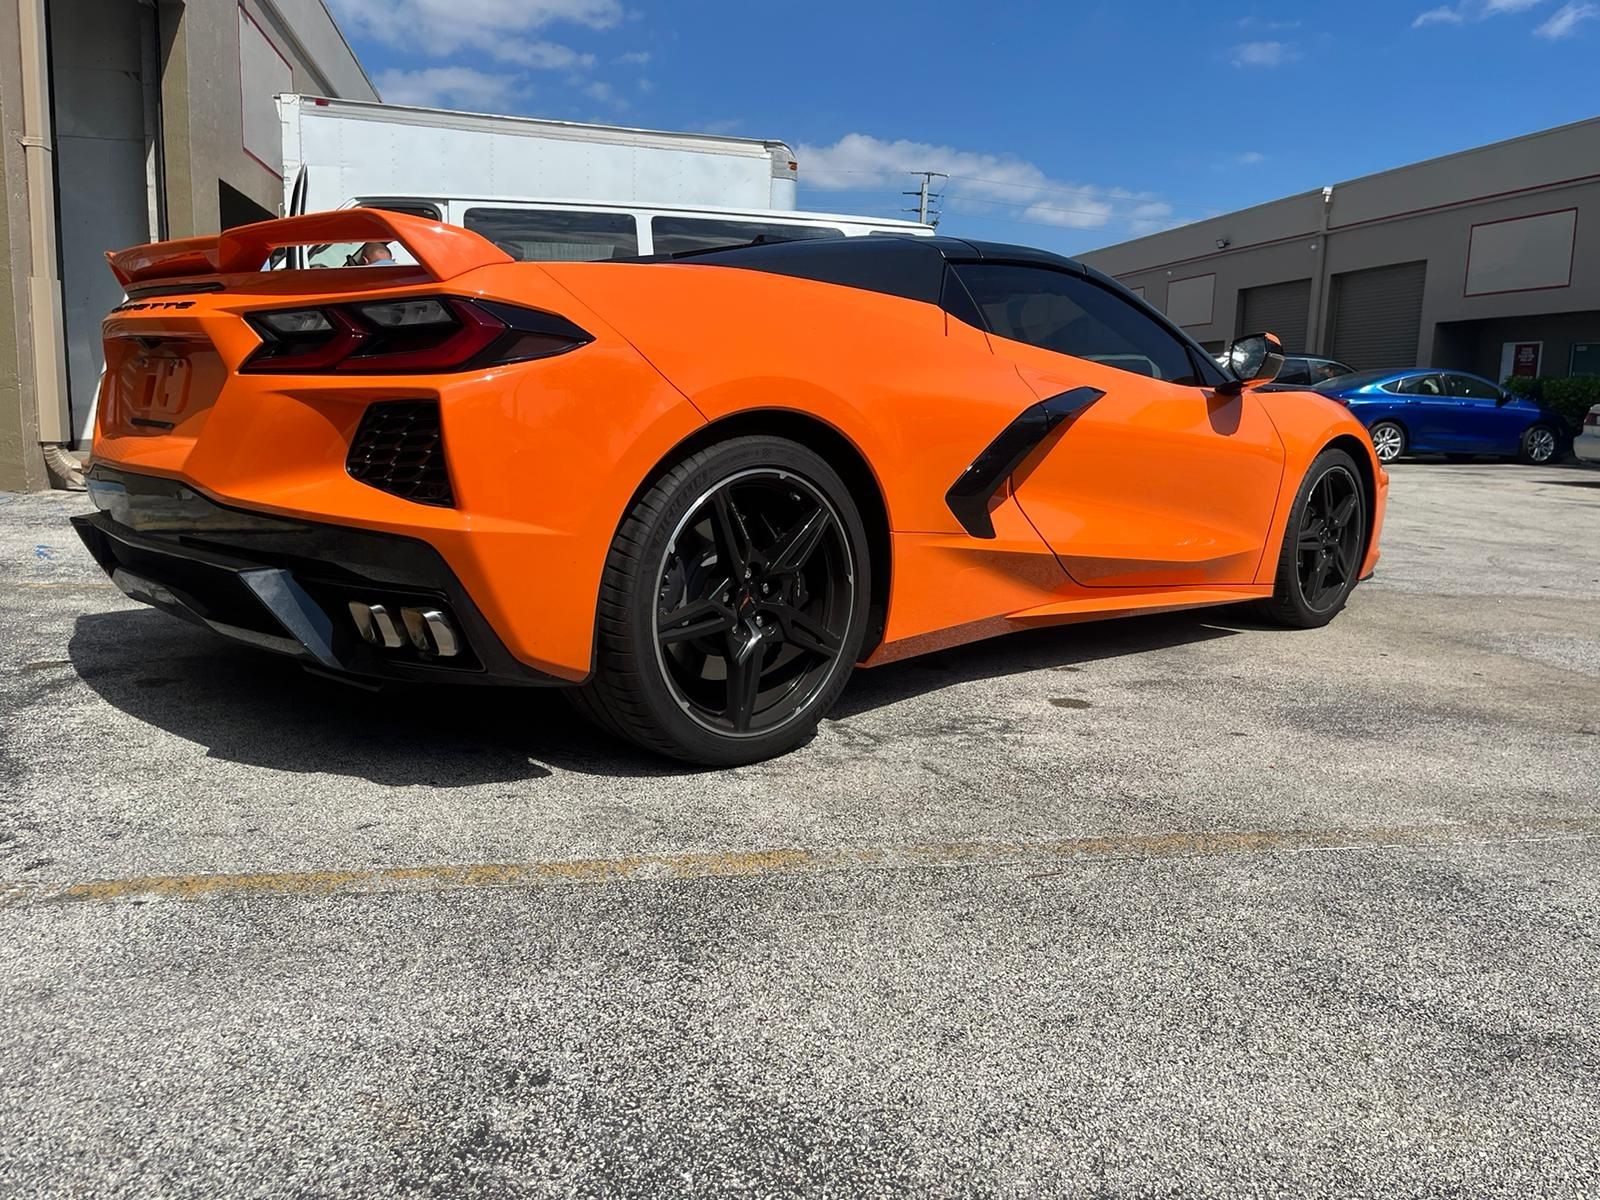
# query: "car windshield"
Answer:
x=1355 y=379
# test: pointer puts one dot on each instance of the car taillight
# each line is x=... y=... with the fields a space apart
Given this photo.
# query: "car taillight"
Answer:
x=414 y=335
x=1592 y=421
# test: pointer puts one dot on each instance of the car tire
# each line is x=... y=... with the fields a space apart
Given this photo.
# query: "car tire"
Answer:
x=1324 y=544
x=1539 y=446
x=1388 y=440
x=732 y=607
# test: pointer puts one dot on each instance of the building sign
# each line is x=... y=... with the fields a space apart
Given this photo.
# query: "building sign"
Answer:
x=1525 y=359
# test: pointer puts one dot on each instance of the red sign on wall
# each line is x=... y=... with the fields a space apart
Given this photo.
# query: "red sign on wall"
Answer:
x=1525 y=359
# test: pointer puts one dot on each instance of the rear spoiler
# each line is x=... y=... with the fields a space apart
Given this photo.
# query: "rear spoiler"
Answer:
x=443 y=251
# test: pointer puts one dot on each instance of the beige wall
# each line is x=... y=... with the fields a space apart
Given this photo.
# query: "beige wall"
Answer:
x=201 y=131
x=202 y=122
x=21 y=467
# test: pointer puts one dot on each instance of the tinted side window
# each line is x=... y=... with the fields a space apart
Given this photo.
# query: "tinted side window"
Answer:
x=1469 y=388
x=1070 y=315
x=674 y=235
x=1418 y=385
x=1295 y=370
x=535 y=235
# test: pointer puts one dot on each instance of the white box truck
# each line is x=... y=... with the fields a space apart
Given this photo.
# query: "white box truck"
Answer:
x=544 y=190
x=337 y=150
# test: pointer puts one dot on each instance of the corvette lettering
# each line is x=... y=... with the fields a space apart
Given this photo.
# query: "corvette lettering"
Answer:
x=149 y=305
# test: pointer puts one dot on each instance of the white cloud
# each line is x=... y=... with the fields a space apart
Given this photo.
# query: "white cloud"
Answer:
x=541 y=56
x=450 y=87
x=1566 y=19
x=1250 y=158
x=993 y=185
x=501 y=29
x=602 y=91
x=1262 y=54
x=633 y=58
x=1472 y=10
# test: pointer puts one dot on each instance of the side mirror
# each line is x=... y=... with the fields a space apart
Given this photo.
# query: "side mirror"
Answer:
x=1254 y=360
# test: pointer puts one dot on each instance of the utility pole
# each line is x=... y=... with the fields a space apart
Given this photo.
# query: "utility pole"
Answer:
x=923 y=195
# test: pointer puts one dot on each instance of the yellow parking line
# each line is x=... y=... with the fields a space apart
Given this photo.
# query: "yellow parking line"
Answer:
x=68 y=584
x=1036 y=859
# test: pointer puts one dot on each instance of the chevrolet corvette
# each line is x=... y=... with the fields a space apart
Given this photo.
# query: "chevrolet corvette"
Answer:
x=698 y=492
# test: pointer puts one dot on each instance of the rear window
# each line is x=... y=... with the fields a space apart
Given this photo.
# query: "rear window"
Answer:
x=551 y=235
x=674 y=235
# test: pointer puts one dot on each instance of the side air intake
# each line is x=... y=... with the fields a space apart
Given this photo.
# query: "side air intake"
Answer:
x=399 y=448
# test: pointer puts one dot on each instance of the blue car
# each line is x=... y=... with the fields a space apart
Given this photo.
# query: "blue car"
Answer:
x=1424 y=411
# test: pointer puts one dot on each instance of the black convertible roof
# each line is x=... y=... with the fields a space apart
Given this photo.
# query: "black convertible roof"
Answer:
x=896 y=264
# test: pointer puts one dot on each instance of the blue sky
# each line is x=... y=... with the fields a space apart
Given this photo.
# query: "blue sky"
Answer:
x=1070 y=125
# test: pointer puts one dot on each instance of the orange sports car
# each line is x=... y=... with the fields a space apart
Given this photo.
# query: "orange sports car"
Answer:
x=699 y=491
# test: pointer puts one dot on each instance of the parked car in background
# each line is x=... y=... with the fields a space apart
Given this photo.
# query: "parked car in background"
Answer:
x=1587 y=444
x=1306 y=370
x=1427 y=411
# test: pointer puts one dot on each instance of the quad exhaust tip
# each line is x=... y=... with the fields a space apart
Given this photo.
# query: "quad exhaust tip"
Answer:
x=427 y=629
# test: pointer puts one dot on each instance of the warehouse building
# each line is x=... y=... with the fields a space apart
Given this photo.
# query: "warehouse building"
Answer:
x=124 y=121
x=1485 y=261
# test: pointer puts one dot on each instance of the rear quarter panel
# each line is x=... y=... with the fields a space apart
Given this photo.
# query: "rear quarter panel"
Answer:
x=879 y=369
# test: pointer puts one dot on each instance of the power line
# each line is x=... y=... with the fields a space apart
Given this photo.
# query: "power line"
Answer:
x=923 y=196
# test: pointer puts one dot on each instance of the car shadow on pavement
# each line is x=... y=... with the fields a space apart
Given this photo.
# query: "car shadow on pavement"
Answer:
x=1060 y=647
x=258 y=709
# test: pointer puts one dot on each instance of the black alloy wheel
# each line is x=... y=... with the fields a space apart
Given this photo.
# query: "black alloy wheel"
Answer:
x=1323 y=545
x=733 y=605
x=1328 y=548
x=757 y=585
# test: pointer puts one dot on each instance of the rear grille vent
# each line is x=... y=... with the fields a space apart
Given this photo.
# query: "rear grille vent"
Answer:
x=399 y=448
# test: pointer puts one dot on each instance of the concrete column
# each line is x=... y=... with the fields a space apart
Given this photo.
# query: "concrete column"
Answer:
x=1316 y=319
x=21 y=460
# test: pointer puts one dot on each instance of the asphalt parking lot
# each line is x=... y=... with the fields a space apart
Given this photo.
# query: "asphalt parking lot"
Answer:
x=1170 y=905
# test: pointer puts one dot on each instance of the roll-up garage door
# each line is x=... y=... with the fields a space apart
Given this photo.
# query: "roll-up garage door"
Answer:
x=1377 y=316
x=1280 y=308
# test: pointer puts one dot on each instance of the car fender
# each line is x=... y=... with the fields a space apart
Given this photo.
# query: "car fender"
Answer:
x=1308 y=424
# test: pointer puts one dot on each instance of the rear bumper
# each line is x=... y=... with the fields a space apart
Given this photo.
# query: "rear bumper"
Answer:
x=286 y=585
x=1587 y=447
